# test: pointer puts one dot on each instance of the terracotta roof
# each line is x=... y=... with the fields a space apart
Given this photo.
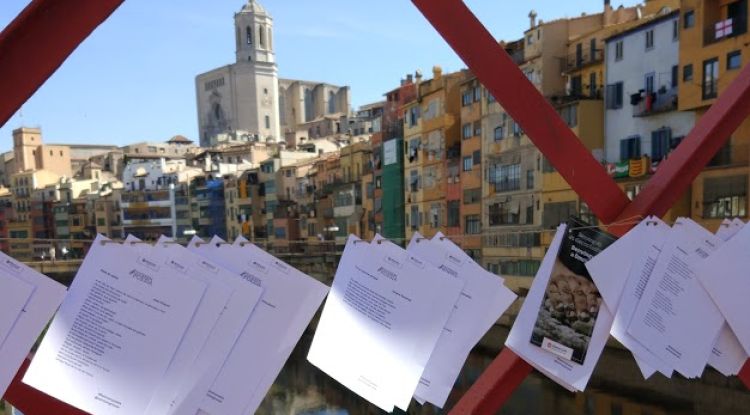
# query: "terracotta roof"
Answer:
x=180 y=139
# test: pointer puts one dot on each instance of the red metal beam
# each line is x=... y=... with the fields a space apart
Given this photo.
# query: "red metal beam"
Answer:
x=32 y=402
x=39 y=40
x=489 y=62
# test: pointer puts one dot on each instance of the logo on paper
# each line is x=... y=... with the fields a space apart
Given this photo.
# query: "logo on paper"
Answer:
x=416 y=261
x=11 y=266
x=448 y=270
x=208 y=266
x=387 y=273
x=176 y=265
x=454 y=259
x=259 y=266
x=393 y=261
x=148 y=263
x=281 y=266
x=251 y=278
x=142 y=277
x=557 y=348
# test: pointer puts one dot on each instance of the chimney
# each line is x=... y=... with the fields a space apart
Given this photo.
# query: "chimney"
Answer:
x=409 y=78
x=437 y=72
x=532 y=18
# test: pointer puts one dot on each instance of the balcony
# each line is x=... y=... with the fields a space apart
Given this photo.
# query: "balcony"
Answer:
x=657 y=102
x=576 y=61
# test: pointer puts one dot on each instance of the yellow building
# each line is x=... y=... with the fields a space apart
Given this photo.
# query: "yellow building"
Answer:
x=714 y=47
x=465 y=195
x=436 y=129
x=412 y=166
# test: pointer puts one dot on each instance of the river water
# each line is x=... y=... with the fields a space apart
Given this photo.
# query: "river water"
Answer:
x=616 y=389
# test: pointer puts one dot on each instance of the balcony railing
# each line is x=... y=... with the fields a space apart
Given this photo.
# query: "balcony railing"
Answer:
x=579 y=60
x=657 y=102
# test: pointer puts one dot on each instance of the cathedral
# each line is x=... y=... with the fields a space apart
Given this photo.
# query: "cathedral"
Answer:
x=247 y=97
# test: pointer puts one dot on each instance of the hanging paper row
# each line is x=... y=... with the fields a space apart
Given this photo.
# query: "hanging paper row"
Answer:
x=166 y=329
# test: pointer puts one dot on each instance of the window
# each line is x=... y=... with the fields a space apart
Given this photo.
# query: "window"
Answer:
x=687 y=73
x=468 y=164
x=454 y=219
x=530 y=39
x=660 y=143
x=725 y=197
x=473 y=225
x=734 y=60
x=472 y=196
x=576 y=86
x=688 y=19
x=675 y=30
x=517 y=131
x=710 y=78
x=414 y=181
x=650 y=83
x=249 y=35
x=593 y=90
x=506 y=178
x=614 y=95
x=490 y=98
x=466 y=131
x=415 y=217
x=477 y=93
x=435 y=215
x=477 y=155
x=569 y=114
x=504 y=214
x=649 y=39
x=413 y=116
x=675 y=71
x=477 y=128
x=530 y=179
x=619 y=50
x=467 y=98
x=630 y=148
x=557 y=213
x=499 y=133
x=268 y=121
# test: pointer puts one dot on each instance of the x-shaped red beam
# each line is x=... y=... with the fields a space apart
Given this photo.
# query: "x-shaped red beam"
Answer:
x=519 y=98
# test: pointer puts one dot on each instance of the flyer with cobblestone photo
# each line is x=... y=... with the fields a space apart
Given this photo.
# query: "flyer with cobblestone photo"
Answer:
x=567 y=314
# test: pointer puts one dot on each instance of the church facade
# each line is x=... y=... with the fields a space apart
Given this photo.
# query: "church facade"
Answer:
x=248 y=97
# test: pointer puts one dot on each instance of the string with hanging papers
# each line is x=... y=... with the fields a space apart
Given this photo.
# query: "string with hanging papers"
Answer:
x=162 y=328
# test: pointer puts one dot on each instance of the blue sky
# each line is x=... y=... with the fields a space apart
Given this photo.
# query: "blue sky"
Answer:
x=133 y=78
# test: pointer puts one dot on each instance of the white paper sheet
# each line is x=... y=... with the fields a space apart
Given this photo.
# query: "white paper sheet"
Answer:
x=570 y=375
x=45 y=299
x=116 y=332
x=621 y=272
x=675 y=318
x=727 y=355
x=206 y=316
x=725 y=276
x=382 y=320
x=15 y=294
x=226 y=332
x=483 y=299
x=289 y=301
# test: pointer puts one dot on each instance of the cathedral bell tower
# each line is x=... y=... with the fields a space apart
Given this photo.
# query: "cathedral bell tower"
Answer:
x=256 y=69
x=254 y=34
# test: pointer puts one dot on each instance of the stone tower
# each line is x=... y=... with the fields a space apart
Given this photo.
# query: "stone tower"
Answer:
x=256 y=59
